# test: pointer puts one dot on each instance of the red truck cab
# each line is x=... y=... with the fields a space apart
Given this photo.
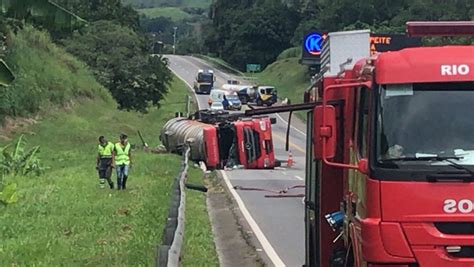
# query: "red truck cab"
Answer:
x=390 y=161
x=255 y=143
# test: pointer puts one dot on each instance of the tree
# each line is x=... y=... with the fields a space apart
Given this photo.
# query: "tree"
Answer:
x=120 y=61
x=94 y=10
x=251 y=31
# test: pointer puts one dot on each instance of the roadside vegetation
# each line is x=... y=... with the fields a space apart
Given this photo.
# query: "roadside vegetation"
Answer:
x=289 y=77
x=198 y=248
x=59 y=91
x=62 y=217
x=161 y=19
x=161 y=3
x=174 y=13
x=256 y=32
x=45 y=75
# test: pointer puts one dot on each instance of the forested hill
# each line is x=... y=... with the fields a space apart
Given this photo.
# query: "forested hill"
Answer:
x=256 y=31
x=168 y=3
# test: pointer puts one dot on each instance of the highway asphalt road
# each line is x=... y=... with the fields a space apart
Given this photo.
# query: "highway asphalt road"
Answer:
x=278 y=223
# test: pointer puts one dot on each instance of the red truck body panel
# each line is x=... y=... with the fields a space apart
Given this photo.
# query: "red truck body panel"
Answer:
x=426 y=64
x=211 y=147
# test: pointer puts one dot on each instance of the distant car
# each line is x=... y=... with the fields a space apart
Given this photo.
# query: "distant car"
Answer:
x=233 y=82
x=217 y=106
x=234 y=101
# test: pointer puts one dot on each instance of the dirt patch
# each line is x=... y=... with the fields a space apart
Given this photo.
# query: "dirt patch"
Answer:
x=11 y=126
x=233 y=243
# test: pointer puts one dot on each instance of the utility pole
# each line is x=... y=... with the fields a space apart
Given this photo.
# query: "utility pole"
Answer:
x=174 y=39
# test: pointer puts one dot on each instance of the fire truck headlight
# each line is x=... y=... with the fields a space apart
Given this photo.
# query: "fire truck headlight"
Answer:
x=266 y=163
x=335 y=220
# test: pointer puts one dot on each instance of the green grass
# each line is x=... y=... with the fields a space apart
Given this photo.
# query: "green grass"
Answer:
x=63 y=219
x=199 y=249
x=290 y=52
x=197 y=3
x=288 y=76
x=174 y=13
x=45 y=75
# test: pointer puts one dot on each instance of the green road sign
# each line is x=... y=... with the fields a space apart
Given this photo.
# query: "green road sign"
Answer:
x=253 y=68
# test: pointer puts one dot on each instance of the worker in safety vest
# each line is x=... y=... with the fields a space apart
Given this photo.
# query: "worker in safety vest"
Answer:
x=104 y=162
x=122 y=161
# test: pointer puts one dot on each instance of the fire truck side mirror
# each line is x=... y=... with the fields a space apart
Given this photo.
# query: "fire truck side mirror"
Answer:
x=324 y=135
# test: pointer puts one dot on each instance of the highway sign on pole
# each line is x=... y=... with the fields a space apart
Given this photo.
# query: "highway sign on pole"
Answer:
x=254 y=68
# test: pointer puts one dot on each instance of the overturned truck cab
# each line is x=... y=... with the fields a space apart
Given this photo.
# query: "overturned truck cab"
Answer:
x=222 y=140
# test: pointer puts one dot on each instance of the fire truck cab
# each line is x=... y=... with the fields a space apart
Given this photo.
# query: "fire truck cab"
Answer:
x=390 y=154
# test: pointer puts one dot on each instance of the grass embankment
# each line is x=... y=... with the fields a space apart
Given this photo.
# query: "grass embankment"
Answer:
x=174 y=13
x=289 y=77
x=45 y=75
x=63 y=218
x=199 y=249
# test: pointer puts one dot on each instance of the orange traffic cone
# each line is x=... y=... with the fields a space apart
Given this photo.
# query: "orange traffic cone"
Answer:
x=290 y=161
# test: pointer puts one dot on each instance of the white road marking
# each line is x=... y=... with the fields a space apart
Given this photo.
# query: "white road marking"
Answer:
x=292 y=127
x=299 y=178
x=267 y=247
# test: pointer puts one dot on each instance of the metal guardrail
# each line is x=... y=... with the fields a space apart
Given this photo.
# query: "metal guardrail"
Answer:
x=169 y=251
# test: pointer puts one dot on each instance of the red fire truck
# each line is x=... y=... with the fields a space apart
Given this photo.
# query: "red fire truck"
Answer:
x=390 y=154
x=393 y=158
x=220 y=139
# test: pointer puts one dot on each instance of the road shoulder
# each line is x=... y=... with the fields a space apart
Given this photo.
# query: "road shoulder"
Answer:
x=233 y=240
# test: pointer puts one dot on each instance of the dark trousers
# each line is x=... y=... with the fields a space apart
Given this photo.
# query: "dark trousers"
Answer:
x=105 y=170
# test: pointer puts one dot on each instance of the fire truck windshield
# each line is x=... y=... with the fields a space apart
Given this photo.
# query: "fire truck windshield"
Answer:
x=425 y=121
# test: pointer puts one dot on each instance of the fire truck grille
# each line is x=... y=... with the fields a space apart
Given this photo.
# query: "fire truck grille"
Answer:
x=456 y=228
x=462 y=252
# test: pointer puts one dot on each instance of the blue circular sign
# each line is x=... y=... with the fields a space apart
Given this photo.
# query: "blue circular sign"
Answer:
x=313 y=43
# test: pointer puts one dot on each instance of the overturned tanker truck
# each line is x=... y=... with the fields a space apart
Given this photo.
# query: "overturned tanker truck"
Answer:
x=222 y=140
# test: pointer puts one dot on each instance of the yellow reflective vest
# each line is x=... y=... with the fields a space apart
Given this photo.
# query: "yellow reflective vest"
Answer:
x=106 y=151
x=121 y=154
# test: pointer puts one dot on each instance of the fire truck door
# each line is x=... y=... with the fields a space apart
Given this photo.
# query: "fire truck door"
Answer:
x=311 y=210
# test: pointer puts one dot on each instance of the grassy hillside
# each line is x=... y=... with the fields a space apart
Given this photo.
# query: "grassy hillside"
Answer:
x=288 y=76
x=175 y=3
x=173 y=13
x=45 y=75
x=63 y=218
